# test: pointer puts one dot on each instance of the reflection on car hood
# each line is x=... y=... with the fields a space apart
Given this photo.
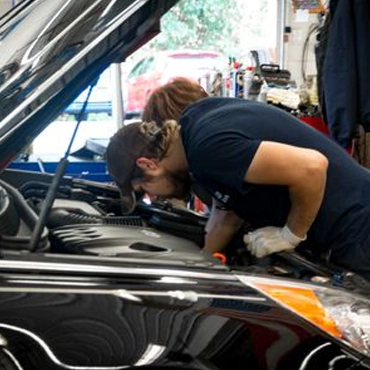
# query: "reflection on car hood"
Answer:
x=51 y=50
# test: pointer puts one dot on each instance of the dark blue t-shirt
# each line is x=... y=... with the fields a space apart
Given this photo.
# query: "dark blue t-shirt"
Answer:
x=221 y=137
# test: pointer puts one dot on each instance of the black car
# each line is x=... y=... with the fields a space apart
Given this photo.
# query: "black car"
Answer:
x=83 y=286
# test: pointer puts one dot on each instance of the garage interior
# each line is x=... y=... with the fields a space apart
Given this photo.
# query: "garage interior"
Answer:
x=86 y=284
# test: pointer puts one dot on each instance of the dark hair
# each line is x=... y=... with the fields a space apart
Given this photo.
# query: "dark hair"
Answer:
x=169 y=101
x=139 y=139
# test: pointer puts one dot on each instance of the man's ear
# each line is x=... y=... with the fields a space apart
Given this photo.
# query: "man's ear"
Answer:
x=146 y=163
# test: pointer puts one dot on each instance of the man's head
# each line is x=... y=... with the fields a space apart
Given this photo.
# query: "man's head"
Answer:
x=169 y=101
x=140 y=159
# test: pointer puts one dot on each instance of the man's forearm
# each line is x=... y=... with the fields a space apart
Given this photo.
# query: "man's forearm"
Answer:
x=306 y=199
x=302 y=170
x=220 y=230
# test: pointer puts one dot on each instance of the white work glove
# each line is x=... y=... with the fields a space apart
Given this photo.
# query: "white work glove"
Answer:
x=271 y=239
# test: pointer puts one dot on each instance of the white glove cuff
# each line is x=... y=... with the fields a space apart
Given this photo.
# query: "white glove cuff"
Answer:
x=293 y=239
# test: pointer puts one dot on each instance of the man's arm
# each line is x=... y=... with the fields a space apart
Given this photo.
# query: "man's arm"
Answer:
x=221 y=227
x=302 y=170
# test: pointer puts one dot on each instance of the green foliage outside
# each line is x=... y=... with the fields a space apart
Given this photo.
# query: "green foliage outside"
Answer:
x=230 y=27
x=200 y=24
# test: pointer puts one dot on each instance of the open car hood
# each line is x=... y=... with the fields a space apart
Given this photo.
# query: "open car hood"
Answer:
x=51 y=50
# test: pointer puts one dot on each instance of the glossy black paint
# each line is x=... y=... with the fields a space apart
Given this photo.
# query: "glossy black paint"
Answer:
x=117 y=320
x=50 y=51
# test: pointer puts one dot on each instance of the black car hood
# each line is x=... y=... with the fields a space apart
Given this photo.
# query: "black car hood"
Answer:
x=51 y=50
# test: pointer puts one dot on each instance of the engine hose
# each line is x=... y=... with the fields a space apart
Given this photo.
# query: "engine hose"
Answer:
x=21 y=204
x=26 y=214
x=39 y=189
x=9 y=220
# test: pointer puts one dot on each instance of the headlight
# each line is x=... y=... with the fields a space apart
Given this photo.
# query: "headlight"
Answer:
x=344 y=315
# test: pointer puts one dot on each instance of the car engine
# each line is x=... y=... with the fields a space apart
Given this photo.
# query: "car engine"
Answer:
x=86 y=219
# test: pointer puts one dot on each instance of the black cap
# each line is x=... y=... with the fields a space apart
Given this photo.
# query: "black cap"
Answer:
x=128 y=144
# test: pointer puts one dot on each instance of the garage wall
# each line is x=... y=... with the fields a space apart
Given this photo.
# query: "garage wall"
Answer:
x=299 y=25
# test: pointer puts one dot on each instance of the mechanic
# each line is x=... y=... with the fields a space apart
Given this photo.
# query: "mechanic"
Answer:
x=291 y=183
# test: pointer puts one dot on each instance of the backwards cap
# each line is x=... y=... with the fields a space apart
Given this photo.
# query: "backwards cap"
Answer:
x=127 y=144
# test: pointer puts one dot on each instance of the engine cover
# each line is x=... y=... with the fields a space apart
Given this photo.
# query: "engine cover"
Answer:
x=121 y=241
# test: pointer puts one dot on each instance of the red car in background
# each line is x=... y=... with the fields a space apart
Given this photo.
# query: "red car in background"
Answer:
x=154 y=71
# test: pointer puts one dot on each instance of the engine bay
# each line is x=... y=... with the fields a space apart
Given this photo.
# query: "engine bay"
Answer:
x=86 y=219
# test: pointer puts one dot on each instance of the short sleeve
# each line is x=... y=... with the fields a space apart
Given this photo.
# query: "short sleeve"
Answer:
x=224 y=157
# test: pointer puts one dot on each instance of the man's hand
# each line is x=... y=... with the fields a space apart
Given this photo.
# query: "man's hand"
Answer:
x=270 y=239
